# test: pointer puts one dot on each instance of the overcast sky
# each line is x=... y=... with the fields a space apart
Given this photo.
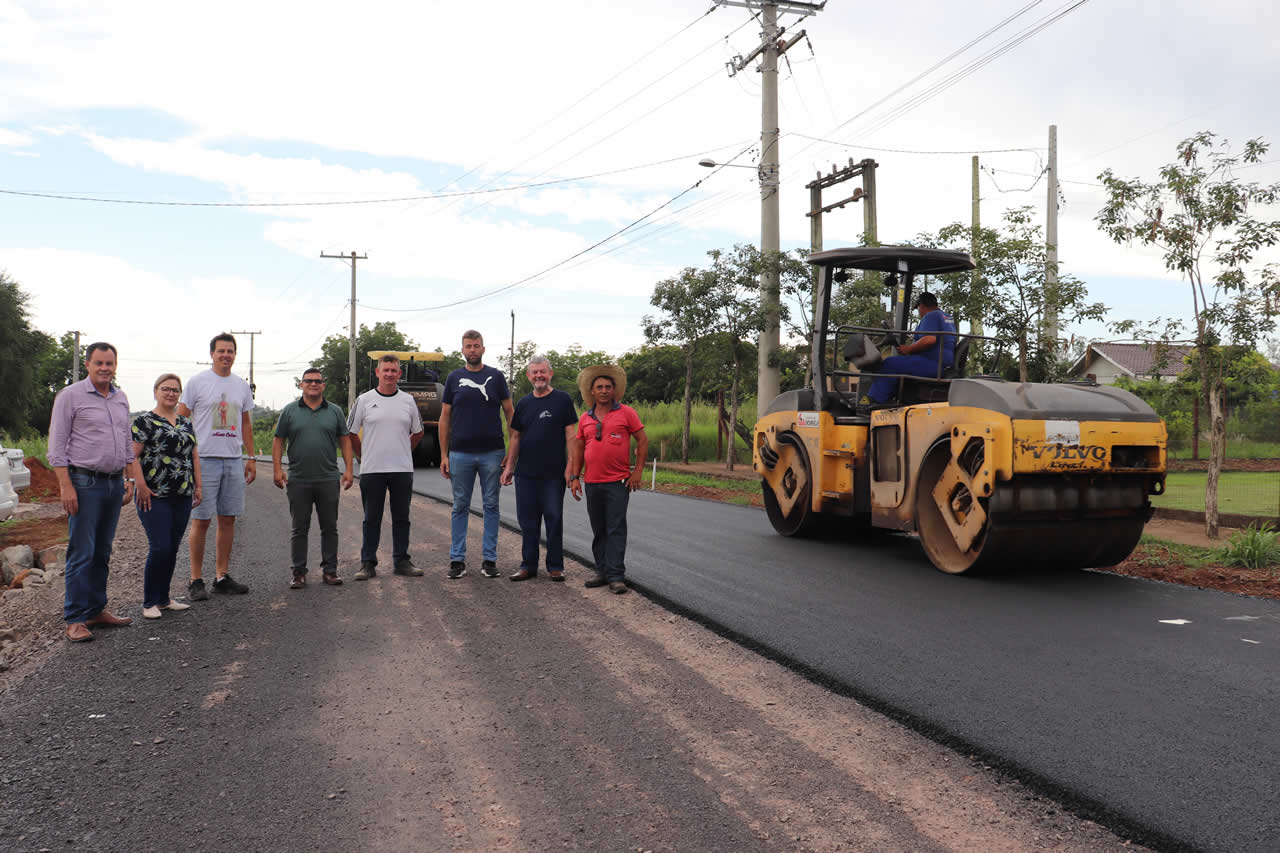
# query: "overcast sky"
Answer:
x=322 y=102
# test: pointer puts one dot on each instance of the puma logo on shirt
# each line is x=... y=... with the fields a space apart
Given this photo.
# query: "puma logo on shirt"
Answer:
x=479 y=386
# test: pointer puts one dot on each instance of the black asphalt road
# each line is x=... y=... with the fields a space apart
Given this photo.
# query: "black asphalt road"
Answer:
x=1154 y=707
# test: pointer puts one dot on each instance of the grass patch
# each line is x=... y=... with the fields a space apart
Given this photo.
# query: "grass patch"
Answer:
x=30 y=445
x=1239 y=492
x=1254 y=548
x=1237 y=448
x=679 y=478
x=663 y=421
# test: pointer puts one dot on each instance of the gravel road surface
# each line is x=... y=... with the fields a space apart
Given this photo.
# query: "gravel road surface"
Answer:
x=423 y=714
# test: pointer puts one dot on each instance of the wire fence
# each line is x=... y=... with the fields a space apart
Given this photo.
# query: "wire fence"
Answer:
x=1250 y=484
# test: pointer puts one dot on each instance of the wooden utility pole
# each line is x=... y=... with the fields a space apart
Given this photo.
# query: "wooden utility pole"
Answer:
x=351 y=376
x=866 y=169
x=975 y=314
x=511 y=360
x=770 y=48
x=1051 y=244
x=75 y=358
x=253 y=387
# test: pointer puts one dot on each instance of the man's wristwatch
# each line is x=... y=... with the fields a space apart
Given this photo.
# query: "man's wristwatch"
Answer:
x=573 y=477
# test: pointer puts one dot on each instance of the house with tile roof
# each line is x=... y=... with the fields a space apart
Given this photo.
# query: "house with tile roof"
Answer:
x=1145 y=360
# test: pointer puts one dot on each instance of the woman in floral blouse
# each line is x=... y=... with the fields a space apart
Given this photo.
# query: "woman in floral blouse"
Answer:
x=168 y=475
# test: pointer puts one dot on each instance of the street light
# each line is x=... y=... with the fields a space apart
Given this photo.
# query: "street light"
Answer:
x=711 y=164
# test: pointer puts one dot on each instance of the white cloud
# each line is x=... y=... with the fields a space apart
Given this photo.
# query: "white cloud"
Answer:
x=14 y=139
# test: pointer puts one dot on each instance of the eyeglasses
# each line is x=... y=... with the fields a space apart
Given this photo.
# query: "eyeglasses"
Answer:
x=313 y=382
x=167 y=390
x=599 y=431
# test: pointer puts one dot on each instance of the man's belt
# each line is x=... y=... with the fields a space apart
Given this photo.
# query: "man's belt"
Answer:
x=76 y=469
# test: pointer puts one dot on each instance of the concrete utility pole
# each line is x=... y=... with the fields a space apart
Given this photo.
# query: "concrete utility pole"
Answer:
x=252 y=385
x=770 y=48
x=75 y=358
x=351 y=357
x=1051 y=244
x=511 y=360
x=975 y=320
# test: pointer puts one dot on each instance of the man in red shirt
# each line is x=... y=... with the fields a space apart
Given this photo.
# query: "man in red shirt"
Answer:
x=603 y=443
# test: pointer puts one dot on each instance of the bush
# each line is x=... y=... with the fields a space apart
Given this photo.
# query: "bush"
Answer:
x=1254 y=548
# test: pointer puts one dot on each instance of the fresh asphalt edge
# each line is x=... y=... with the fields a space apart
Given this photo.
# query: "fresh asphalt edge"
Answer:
x=1080 y=805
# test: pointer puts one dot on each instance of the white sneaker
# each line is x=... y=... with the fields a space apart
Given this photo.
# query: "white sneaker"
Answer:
x=175 y=604
x=151 y=612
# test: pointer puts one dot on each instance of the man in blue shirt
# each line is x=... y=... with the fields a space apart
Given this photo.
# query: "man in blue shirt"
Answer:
x=471 y=445
x=920 y=357
x=542 y=432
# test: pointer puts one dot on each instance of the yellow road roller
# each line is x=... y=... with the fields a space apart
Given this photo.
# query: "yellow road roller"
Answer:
x=989 y=474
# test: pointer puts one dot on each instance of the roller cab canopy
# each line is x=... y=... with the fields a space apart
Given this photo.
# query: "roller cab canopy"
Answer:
x=895 y=259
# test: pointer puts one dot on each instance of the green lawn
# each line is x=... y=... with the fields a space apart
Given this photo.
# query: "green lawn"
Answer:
x=1241 y=492
x=750 y=487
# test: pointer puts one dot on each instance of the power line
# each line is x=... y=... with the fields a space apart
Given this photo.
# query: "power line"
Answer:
x=579 y=254
x=863 y=147
x=429 y=197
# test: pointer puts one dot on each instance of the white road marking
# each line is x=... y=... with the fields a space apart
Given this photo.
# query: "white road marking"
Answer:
x=1175 y=621
x=1243 y=618
x=1251 y=642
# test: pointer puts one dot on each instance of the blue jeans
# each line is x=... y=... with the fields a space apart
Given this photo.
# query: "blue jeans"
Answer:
x=373 y=493
x=538 y=501
x=607 y=509
x=165 y=523
x=924 y=366
x=90 y=533
x=463 y=468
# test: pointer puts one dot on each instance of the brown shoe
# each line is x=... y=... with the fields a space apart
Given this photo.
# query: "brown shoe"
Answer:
x=595 y=581
x=78 y=632
x=299 y=581
x=617 y=587
x=523 y=575
x=556 y=575
x=109 y=620
x=332 y=580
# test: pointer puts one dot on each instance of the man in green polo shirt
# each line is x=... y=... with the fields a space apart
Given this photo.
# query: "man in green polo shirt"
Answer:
x=313 y=429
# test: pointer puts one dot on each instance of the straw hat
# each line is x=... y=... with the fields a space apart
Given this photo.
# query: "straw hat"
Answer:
x=591 y=374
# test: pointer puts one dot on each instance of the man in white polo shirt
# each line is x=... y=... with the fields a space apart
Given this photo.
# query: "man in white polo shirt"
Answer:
x=385 y=427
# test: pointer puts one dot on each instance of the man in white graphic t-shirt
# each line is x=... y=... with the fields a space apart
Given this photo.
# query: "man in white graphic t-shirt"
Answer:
x=220 y=404
x=385 y=426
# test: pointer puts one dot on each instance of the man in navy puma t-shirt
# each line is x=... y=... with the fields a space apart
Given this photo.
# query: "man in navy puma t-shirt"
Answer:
x=471 y=444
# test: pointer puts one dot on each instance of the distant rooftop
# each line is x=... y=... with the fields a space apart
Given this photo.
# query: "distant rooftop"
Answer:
x=1139 y=359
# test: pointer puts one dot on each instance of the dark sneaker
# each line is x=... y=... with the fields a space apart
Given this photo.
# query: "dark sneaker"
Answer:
x=228 y=585
x=457 y=569
x=406 y=567
x=368 y=569
x=489 y=569
x=299 y=581
x=196 y=591
x=595 y=581
x=617 y=587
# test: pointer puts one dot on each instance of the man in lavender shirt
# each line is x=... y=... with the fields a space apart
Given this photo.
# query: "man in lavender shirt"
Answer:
x=91 y=451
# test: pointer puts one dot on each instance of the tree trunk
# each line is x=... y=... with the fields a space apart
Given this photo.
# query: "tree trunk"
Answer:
x=731 y=454
x=1217 y=455
x=688 y=403
x=1022 y=358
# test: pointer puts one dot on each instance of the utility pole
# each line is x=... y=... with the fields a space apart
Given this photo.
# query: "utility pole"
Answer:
x=351 y=353
x=252 y=385
x=975 y=314
x=75 y=358
x=511 y=360
x=770 y=48
x=1051 y=244
x=866 y=169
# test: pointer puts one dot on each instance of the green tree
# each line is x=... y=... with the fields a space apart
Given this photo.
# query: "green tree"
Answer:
x=687 y=317
x=21 y=348
x=53 y=373
x=739 y=316
x=1198 y=213
x=1009 y=290
x=334 y=358
x=655 y=374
